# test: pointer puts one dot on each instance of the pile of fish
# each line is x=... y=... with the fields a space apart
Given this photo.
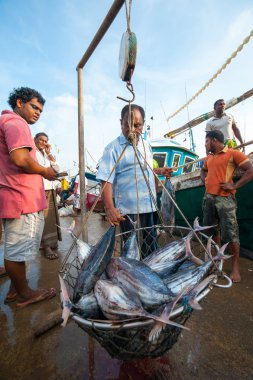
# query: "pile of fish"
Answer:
x=119 y=288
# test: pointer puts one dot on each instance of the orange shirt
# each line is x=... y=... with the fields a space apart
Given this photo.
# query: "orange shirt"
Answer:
x=220 y=168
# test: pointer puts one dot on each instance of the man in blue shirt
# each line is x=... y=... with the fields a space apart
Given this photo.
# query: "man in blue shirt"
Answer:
x=128 y=182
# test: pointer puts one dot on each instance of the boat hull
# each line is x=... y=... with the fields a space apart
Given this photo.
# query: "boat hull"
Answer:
x=189 y=195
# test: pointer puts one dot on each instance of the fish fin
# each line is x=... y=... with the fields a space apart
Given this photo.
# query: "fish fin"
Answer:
x=194 y=304
x=66 y=303
x=165 y=316
x=159 y=326
x=188 y=253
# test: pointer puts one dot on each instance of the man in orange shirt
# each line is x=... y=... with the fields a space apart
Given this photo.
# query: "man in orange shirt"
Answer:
x=219 y=203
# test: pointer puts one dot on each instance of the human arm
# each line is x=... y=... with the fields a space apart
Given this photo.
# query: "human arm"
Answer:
x=246 y=177
x=166 y=172
x=113 y=214
x=203 y=174
x=237 y=134
x=52 y=159
x=24 y=161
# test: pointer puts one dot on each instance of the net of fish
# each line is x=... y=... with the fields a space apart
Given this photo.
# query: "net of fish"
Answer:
x=130 y=338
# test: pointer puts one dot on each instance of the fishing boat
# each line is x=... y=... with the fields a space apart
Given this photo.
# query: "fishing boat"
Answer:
x=167 y=152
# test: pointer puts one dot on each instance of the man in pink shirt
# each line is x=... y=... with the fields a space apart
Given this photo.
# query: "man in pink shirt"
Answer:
x=22 y=196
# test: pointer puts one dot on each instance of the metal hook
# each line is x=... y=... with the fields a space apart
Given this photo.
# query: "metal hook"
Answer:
x=129 y=86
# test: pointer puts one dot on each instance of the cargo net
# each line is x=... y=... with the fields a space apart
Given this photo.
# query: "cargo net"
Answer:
x=129 y=339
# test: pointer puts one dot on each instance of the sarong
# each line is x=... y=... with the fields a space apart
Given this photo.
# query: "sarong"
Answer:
x=51 y=233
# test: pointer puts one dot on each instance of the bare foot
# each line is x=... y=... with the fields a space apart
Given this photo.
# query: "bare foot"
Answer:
x=49 y=254
x=235 y=276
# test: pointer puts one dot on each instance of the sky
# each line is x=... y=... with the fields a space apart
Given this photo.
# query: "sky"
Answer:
x=181 y=44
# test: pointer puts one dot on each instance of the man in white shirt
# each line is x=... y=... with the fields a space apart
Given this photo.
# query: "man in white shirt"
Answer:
x=224 y=123
x=51 y=232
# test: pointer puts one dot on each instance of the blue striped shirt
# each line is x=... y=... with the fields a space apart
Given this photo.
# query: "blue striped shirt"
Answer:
x=124 y=176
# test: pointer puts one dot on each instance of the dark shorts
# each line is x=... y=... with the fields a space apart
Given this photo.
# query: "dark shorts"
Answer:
x=149 y=235
x=221 y=211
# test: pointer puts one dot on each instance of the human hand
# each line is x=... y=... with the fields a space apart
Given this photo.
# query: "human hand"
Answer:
x=167 y=172
x=114 y=216
x=50 y=174
x=227 y=186
x=48 y=149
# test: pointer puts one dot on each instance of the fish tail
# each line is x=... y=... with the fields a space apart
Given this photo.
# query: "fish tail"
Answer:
x=220 y=255
x=156 y=331
x=66 y=303
x=197 y=227
x=69 y=229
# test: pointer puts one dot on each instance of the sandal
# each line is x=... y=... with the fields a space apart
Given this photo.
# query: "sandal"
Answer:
x=49 y=254
x=3 y=272
x=42 y=296
x=11 y=297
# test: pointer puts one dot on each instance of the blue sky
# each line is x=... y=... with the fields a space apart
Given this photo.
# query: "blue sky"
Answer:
x=181 y=44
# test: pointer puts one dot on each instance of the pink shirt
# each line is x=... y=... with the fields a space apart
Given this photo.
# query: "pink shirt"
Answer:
x=20 y=193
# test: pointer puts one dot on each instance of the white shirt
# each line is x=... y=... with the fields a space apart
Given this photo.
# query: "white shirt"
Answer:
x=45 y=161
x=222 y=124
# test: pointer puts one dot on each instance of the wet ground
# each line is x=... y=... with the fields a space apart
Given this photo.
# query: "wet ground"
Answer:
x=218 y=346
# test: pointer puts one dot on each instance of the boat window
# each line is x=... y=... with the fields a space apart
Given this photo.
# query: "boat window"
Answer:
x=160 y=160
x=175 y=162
x=188 y=168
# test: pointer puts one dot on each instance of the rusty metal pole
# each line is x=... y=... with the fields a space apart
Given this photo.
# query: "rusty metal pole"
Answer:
x=81 y=149
x=112 y=13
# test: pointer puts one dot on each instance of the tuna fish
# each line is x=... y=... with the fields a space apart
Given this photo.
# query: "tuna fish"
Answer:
x=189 y=278
x=117 y=304
x=138 y=278
x=173 y=250
x=95 y=264
x=86 y=307
x=165 y=268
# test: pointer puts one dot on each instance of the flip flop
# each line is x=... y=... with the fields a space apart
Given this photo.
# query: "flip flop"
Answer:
x=10 y=298
x=3 y=272
x=44 y=295
x=50 y=255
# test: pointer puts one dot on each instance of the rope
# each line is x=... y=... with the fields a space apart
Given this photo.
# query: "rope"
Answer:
x=146 y=180
x=228 y=61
